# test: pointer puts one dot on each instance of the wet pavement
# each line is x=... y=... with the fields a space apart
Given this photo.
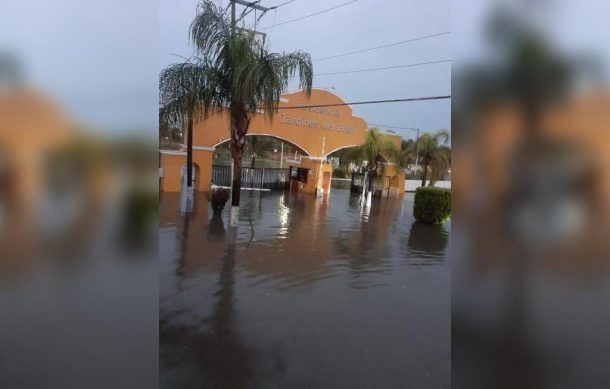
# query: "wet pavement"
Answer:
x=309 y=293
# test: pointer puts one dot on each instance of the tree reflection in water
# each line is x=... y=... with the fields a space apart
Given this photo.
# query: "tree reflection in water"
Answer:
x=213 y=353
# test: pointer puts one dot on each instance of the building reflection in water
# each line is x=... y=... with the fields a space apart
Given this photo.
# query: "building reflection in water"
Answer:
x=308 y=292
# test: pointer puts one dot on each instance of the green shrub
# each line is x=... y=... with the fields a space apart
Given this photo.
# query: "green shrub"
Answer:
x=218 y=198
x=432 y=205
x=339 y=173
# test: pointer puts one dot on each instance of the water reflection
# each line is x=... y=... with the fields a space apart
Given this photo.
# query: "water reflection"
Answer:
x=209 y=354
x=426 y=243
x=308 y=292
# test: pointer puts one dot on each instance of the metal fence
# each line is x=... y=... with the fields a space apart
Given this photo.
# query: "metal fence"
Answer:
x=252 y=178
x=357 y=183
x=378 y=186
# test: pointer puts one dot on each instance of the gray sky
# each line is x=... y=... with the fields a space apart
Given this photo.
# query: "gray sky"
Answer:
x=101 y=58
x=362 y=24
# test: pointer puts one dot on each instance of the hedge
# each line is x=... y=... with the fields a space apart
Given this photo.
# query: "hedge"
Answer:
x=432 y=205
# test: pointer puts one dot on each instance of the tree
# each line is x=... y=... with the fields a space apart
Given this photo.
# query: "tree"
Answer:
x=241 y=78
x=376 y=150
x=408 y=151
x=406 y=144
x=257 y=145
x=180 y=97
x=433 y=154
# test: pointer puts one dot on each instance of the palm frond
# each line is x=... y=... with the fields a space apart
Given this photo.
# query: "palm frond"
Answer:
x=210 y=30
x=189 y=88
x=441 y=136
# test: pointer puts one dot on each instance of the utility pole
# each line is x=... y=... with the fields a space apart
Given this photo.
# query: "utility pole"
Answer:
x=417 y=149
x=249 y=6
x=233 y=21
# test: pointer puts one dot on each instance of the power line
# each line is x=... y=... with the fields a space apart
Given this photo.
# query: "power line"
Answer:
x=279 y=5
x=383 y=46
x=308 y=16
x=370 y=102
x=385 y=68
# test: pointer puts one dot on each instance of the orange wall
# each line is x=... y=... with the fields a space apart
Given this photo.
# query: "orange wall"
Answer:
x=171 y=165
x=172 y=162
x=336 y=124
x=397 y=179
x=316 y=131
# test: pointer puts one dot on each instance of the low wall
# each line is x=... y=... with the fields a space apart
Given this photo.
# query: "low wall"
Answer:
x=411 y=185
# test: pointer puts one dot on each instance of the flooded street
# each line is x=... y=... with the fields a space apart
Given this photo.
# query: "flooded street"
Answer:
x=310 y=293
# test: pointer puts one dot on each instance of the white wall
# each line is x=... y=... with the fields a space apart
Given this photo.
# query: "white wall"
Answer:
x=411 y=185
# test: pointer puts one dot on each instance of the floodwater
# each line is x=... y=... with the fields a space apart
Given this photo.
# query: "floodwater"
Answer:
x=308 y=293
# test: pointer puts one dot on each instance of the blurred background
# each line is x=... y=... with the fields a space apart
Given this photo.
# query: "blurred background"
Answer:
x=78 y=194
x=531 y=157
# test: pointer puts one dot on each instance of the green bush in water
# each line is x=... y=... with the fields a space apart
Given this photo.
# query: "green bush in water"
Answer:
x=432 y=205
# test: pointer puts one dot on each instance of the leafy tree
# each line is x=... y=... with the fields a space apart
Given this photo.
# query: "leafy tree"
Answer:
x=406 y=144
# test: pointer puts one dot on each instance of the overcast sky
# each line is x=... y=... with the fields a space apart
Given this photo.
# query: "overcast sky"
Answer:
x=360 y=25
x=101 y=58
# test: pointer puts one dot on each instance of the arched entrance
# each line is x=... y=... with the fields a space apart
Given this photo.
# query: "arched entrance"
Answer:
x=316 y=131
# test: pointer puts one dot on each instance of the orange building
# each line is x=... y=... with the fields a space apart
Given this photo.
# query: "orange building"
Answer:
x=316 y=132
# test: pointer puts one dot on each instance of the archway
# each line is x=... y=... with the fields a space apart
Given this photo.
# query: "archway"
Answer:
x=196 y=174
x=317 y=125
x=315 y=130
x=280 y=152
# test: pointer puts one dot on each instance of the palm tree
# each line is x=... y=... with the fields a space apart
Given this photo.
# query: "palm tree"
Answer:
x=180 y=97
x=242 y=78
x=376 y=150
x=431 y=153
x=439 y=165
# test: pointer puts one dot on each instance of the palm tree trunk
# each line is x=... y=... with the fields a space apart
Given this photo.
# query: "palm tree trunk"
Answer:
x=189 y=152
x=236 y=184
x=235 y=189
x=424 y=173
x=239 y=126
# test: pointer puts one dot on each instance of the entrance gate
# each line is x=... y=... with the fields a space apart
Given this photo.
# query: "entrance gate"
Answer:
x=252 y=178
x=317 y=124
